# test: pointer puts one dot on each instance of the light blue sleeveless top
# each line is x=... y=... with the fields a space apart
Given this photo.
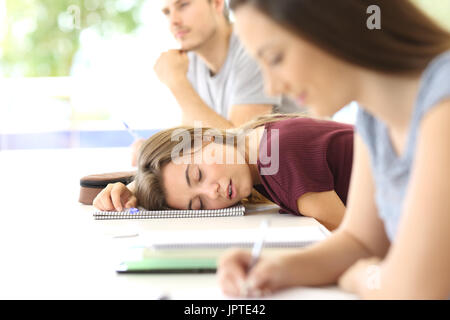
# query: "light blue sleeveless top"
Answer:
x=391 y=172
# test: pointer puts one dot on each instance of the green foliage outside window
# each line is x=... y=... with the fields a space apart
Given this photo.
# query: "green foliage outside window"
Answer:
x=42 y=36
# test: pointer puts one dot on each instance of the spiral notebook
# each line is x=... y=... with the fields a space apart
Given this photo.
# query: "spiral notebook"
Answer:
x=280 y=237
x=237 y=210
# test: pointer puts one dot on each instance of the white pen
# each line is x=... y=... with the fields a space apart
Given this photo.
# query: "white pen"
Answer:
x=256 y=253
x=259 y=244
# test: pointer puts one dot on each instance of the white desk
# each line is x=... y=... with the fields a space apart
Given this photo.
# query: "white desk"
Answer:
x=52 y=248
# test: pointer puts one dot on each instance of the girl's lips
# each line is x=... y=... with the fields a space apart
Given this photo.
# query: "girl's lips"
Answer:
x=233 y=190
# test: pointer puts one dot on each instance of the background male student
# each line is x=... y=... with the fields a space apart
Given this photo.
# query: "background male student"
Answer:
x=212 y=77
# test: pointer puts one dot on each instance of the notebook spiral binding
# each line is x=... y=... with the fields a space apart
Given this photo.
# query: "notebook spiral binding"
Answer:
x=237 y=210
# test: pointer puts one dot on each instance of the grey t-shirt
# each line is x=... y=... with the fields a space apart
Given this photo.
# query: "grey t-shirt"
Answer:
x=391 y=172
x=239 y=81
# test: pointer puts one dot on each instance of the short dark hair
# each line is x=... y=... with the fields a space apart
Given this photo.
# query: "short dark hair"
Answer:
x=407 y=42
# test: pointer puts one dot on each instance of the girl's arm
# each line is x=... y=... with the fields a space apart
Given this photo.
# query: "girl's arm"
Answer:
x=361 y=235
x=418 y=263
x=325 y=207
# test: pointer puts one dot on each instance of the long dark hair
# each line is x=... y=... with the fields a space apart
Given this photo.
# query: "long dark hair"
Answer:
x=407 y=41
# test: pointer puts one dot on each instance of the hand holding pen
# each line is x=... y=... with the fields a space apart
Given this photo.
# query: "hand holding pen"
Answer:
x=242 y=273
x=259 y=244
x=256 y=253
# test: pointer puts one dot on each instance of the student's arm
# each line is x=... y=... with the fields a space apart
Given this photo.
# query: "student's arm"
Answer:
x=195 y=109
x=325 y=207
x=418 y=263
x=360 y=235
x=240 y=114
x=171 y=69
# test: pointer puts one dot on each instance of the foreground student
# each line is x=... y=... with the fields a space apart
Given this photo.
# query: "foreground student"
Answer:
x=394 y=241
x=302 y=164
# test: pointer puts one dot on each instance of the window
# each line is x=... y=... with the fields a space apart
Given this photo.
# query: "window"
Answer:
x=72 y=71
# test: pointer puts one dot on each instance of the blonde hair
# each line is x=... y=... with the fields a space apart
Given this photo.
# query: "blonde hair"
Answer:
x=157 y=151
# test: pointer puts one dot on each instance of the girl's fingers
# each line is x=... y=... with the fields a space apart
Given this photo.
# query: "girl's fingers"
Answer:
x=117 y=192
x=131 y=203
x=228 y=285
x=232 y=271
x=257 y=282
x=106 y=203
x=103 y=200
x=231 y=280
x=106 y=198
x=98 y=203
x=267 y=276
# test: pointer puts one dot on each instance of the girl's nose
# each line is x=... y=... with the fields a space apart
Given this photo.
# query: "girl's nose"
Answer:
x=212 y=191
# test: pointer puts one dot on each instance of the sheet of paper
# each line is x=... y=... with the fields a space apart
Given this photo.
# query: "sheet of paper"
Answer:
x=183 y=238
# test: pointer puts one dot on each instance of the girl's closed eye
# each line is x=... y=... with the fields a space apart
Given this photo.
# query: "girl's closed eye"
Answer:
x=199 y=175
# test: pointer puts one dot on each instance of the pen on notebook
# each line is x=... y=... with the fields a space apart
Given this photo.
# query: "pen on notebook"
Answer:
x=131 y=131
x=259 y=244
x=256 y=253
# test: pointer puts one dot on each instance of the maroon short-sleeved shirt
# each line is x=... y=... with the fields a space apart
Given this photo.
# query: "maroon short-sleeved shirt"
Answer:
x=314 y=156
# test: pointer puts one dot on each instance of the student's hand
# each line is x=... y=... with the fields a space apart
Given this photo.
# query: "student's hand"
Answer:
x=135 y=150
x=115 y=197
x=172 y=67
x=268 y=275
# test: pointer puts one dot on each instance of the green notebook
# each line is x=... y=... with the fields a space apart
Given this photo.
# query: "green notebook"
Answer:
x=172 y=261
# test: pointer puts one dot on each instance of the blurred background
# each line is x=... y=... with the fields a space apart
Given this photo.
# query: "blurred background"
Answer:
x=71 y=71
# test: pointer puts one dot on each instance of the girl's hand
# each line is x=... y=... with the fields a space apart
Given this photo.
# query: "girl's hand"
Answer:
x=115 y=197
x=268 y=275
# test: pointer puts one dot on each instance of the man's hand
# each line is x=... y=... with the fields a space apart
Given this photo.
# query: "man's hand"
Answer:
x=172 y=67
